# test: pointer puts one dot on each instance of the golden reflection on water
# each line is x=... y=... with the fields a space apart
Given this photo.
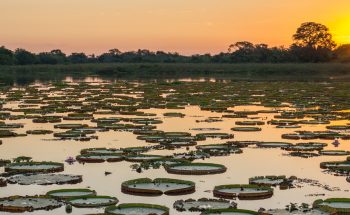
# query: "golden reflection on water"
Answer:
x=252 y=162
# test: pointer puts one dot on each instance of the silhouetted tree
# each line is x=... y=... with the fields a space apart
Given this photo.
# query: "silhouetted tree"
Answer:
x=342 y=53
x=280 y=55
x=314 y=35
x=54 y=57
x=24 y=57
x=241 y=51
x=112 y=55
x=261 y=53
x=59 y=55
x=6 y=56
x=78 y=58
x=313 y=43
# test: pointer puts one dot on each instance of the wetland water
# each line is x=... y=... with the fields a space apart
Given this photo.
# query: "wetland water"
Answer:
x=200 y=102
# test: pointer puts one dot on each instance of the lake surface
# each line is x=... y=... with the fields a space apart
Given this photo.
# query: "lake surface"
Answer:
x=156 y=98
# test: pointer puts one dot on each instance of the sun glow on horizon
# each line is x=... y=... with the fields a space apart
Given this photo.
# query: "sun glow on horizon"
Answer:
x=341 y=31
x=186 y=27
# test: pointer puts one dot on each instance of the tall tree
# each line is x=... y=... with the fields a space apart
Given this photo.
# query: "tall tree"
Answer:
x=78 y=58
x=113 y=55
x=24 y=57
x=314 y=35
x=6 y=56
x=343 y=53
x=313 y=43
x=241 y=51
x=54 y=57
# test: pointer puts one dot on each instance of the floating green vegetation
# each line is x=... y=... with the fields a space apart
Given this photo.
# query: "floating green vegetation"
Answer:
x=70 y=193
x=10 y=126
x=109 y=120
x=333 y=205
x=137 y=208
x=39 y=132
x=220 y=149
x=273 y=144
x=246 y=129
x=325 y=135
x=203 y=204
x=273 y=180
x=242 y=144
x=228 y=211
x=20 y=204
x=338 y=127
x=92 y=201
x=267 y=180
x=20 y=159
x=7 y=133
x=196 y=168
x=122 y=106
x=337 y=166
x=156 y=164
x=305 y=147
x=334 y=152
x=243 y=191
x=148 y=132
x=174 y=114
x=45 y=179
x=249 y=123
x=100 y=157
x=69 y=135
x=47 y=119
x=70 y=126
x=143 y=157
x=211 y=120
x=234 y=116
x=303 y=154
x=101 y=151
x=134 y=150
x=3 y=182
x=298 y=136
x=152 y=139
x=146 y=121
x=283 y=122
x=89 y=130
x=35 y=167
x=288 y=126
x=290 y=115
x=192 y=155
x=159 y=186
x=215 y=135
x=78 y=116
x=205 y=129
x=314 y=122
x=178 y=143
x=4 y=162
x=176 y=134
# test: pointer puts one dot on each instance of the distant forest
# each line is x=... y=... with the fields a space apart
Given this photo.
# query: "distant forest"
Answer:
x=312 y=43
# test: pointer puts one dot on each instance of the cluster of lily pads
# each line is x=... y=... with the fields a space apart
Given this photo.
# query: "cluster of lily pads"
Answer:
x=342 y=167
x=308 y=135
x=72 y=110
x=24 y=171
x=80 y=198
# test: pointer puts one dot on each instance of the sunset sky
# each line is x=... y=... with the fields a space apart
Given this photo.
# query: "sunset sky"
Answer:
x=185 y=26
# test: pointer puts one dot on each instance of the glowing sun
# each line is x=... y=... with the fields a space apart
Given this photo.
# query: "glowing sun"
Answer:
x=341 y=32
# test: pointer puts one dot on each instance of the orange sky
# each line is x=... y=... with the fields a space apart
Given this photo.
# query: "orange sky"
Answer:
x=185 y=26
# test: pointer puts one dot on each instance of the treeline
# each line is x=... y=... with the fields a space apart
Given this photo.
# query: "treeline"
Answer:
x=312 y=43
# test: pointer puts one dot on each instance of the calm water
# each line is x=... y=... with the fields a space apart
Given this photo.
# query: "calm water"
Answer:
x=252 y=162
